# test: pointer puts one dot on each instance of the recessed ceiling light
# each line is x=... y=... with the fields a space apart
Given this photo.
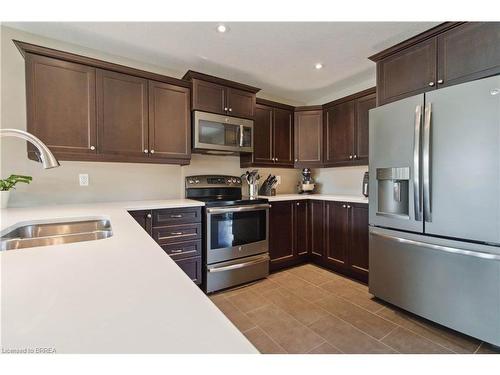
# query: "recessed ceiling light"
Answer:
x=222 y=28
x=318 y=66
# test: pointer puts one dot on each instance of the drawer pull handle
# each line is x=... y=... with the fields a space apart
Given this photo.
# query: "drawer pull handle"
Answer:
x=176 y=251
x=177 y=233
x=175 y=216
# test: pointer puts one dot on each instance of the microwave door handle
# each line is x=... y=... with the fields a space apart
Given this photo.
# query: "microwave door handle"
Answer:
x=241 y=135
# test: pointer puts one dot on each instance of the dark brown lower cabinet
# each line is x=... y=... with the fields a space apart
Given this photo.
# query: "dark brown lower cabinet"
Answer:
x=178 y=232
x=288 y=233
x=316 y=229
x=346 y=239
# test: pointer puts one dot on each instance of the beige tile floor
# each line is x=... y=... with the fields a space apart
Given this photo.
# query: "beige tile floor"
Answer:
x=308 y=309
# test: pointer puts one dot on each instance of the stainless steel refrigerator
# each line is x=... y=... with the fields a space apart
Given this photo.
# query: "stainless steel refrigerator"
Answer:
x=434 y=208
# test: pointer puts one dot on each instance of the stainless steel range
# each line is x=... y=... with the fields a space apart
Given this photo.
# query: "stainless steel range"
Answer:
x=235 y=232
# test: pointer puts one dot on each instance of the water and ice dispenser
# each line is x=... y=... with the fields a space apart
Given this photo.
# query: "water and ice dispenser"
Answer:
x=393 y=189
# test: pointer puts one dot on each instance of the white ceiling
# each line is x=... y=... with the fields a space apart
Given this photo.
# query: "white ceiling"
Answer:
x=278 y=57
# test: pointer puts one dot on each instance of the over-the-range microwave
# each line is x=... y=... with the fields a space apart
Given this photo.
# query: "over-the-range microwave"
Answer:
x=223 y=135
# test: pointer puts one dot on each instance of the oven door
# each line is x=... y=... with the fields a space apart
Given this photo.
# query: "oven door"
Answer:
x=236 y=232
x=222 y=133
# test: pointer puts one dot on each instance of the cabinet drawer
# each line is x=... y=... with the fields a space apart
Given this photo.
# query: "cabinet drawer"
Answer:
x=192 y=268
x=175 y=216
x=181 y=250
x=177 y=233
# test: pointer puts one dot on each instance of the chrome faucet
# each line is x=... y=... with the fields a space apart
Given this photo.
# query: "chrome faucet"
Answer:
x=45 y=156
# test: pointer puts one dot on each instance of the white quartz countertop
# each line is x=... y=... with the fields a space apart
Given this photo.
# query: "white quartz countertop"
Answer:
x=122 y=294
x=325 y=197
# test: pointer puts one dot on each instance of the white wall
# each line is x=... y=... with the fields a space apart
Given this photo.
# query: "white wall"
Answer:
x=344 y=180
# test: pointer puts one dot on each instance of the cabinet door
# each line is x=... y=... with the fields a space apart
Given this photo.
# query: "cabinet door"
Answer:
x=122 y=114
x=262 y=136
x=407 y=72
x=192 y=268
x=209 y=97
x=169 y=121
x=61 y=105
x=316 y=228
x=144 y=218
x=283 y=137
x=308 y=137
x=301 y=229
x=363 y=105
x=337 y=233
x=281 y=227
x=358 y=249
x=240 y=103
x=339 y=133
x=467 y=52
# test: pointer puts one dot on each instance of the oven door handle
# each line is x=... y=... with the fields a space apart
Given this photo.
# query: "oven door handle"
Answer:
x=261 y=259
x=253 y=207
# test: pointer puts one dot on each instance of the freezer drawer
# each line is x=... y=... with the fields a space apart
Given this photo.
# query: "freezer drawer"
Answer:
x=227 y=274
x=453 y=283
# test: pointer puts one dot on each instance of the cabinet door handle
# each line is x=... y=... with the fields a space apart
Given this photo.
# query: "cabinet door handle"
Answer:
x=298 y=204
x=92 y=148
x=355 y=156
x=275 y=159
x=146 y=150
x=440 y=81
x=296 y=160
x=431 y=83
x=344 y=206
x=225 y=109
x=230 y=110
x=148 y=216
x=152 y=151
x=348 y=206
x=350 y=156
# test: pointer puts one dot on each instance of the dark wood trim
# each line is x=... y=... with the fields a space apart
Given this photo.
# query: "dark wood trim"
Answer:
x=318 y=107
x=24 y=48
x=271 y=103
x=414 y=40
x=112 y=158
x=191 y=74
x=357 y=95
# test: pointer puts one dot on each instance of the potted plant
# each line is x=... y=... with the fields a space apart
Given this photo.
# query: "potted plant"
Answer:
x=8 y=184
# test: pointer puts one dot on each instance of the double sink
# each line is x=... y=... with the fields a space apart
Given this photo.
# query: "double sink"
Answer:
x=46 y=234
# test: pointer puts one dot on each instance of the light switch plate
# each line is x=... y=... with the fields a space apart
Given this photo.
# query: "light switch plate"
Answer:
x=84 y=179
x=278 y=180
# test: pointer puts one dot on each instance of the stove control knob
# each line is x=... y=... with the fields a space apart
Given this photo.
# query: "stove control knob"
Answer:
x=233 y=180
x=238 y=180
x=196 y=181
x=190 y=181
x=228 y=180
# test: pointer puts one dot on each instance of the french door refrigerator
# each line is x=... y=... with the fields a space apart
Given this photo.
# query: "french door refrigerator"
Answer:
x=434 y=208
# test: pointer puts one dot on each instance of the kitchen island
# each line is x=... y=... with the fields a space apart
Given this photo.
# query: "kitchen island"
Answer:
x=121 y=294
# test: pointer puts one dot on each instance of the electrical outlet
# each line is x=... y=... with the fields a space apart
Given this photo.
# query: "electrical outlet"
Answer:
x=278 y=179
x=84 y=179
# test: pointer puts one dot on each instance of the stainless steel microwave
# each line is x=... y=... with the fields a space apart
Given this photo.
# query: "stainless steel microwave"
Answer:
x=219 y=134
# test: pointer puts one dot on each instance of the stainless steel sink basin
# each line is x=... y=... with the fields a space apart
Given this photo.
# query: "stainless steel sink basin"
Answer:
x=45 y=234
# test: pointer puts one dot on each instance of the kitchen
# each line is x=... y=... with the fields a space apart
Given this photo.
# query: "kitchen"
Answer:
x=209 y=214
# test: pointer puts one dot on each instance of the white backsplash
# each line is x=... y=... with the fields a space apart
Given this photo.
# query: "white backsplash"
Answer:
x=340 y=180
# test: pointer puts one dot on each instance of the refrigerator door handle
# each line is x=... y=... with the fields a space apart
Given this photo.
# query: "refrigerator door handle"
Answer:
x=447 y=249
x=416 y=164
x=426 y=158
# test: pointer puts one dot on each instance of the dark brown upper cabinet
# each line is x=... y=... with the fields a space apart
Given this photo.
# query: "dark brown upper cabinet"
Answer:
x=308 y=134
x=450 y=53
x=273 y=136
x=122 y=114
x=467 y=52
x=218 y=95
x=346 y=129
x=91 y=110
x=169 y=121
x=61 y=105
